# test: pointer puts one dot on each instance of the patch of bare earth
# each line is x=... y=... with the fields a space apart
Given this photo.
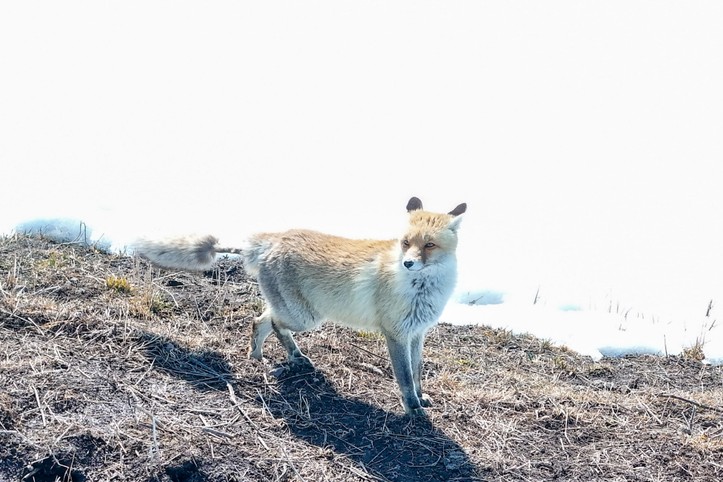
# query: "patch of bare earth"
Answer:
x=111 y=370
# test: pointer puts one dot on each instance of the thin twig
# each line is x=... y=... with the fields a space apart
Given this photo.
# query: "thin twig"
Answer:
x=692 y=402
x=40 y=406
x=291 y=463
x=367 y=351
x=217 y=433
x=236 y=404
x=154 y=431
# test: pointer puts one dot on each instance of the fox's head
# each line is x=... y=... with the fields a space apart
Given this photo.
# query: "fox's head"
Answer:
x=431 y=238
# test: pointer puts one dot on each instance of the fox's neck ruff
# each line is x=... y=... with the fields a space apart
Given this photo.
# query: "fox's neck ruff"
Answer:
x=428 y=291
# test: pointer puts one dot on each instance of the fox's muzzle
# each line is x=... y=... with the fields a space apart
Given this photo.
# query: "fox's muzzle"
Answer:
x=413 y=264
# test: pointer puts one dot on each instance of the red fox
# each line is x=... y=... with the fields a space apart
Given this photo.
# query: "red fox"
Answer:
x=397 y=287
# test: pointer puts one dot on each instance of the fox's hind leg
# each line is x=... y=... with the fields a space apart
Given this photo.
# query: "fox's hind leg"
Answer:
x=285 y=336
x=261 y=330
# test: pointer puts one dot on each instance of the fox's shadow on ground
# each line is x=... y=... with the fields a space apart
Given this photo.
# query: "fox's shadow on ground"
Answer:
x=390 y=446
x=204 y=370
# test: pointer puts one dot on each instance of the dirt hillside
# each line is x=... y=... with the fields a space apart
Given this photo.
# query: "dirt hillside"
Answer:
x=113 y=370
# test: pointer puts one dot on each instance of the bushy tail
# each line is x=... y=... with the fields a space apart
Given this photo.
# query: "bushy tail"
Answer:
x=189 y=252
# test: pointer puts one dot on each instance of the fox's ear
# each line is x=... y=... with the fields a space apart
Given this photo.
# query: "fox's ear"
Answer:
x=458 y=210
x=454 y=223
x=414 y=204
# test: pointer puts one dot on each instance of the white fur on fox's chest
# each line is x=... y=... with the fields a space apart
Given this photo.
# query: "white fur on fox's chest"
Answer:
x=396 y=301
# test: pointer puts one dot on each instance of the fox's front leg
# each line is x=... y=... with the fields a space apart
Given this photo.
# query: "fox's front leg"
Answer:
x=416 y=346
x=400 y=355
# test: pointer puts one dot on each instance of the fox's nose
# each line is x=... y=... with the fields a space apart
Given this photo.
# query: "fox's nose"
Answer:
x=408 y=264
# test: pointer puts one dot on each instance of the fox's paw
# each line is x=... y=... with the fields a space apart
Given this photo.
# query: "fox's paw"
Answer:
x=279 y=371
x=425 y=400
x=301 y=360
x=414 y=407
x=256 y=354
x=417 y=413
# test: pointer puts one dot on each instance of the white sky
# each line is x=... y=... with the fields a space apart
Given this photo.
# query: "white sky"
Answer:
x=586 y=137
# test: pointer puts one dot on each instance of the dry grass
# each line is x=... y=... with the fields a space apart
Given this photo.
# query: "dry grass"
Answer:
x=113 y=370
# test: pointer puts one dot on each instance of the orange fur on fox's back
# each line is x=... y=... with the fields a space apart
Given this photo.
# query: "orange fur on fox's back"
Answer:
x=311 y=248
x=330 y=273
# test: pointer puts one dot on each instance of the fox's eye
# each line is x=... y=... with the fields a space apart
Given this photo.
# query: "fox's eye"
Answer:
x=430 y=245
x=405 y=243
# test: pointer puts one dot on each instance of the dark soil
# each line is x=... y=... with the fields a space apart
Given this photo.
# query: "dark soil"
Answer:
x=112 y=370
